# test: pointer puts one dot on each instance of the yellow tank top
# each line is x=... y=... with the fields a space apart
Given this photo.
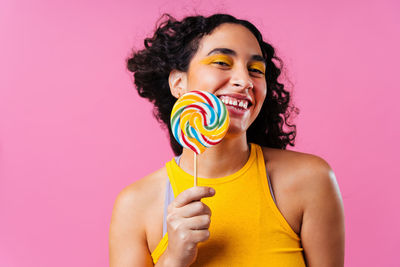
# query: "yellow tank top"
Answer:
x=247 y=229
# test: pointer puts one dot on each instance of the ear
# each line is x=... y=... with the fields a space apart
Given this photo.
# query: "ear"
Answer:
x=177 y=83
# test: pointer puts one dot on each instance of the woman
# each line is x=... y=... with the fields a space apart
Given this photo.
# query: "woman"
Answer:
x=257 y=204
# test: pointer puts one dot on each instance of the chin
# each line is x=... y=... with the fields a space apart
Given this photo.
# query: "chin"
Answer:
x=234 y=132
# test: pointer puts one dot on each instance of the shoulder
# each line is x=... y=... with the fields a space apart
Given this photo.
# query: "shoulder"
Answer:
x=137 y=197
x=305 y=167
x=139 y=204
x=137 y=207
x=309 y=175
x=297 y=160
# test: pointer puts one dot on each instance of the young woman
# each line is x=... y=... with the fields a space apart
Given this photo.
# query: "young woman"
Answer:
x=257 y=204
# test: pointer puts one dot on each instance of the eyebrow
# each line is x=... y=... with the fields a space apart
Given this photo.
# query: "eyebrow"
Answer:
x=228 y=51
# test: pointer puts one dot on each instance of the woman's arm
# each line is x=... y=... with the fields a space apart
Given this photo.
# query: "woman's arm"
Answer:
x=127 y=240
x=187 y=223
x=322 y=231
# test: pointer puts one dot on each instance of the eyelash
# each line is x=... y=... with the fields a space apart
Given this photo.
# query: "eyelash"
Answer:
x=257 y=71
x=221 y=63
x=224 y=64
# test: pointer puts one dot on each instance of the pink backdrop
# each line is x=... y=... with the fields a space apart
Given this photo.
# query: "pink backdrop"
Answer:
x=73 y=131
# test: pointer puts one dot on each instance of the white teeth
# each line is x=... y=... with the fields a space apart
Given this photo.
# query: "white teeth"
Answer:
x=242 y=103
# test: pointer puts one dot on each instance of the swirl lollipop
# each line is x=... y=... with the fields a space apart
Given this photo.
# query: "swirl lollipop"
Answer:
x=199 y=120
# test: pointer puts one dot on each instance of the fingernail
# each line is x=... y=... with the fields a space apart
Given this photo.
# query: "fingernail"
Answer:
x=212 y=190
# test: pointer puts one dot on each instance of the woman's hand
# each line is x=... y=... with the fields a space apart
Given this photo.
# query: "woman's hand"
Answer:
x=187 y=224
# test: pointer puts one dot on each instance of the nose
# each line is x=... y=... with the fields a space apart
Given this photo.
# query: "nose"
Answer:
x=243 y=84
x=241 y=79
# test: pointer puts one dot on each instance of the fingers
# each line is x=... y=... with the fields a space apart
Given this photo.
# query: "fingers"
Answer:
x=201 y=222
x=192 y=229
x=192 y=194
x=200 y=235
x=194 y=209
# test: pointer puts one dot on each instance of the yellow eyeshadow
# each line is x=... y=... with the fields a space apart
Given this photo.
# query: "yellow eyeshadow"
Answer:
x=217 y=58
x=258 y=66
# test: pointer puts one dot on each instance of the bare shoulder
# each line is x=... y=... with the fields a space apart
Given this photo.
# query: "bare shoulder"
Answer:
x=302 y=170
x=142 y=194
x=137 y=207
x=148 y=184
x=296 y=159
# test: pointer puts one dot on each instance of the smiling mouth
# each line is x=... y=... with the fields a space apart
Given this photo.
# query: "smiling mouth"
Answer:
x=242 y=104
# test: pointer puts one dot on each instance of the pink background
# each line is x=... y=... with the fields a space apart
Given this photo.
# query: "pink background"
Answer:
x=74 y=132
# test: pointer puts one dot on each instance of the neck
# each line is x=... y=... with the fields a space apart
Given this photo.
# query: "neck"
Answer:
x=221 y=160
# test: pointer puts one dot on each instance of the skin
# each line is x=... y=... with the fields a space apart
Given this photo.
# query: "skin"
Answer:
x=304 y=185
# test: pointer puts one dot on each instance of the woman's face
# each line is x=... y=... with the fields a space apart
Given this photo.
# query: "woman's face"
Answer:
x=229 y=64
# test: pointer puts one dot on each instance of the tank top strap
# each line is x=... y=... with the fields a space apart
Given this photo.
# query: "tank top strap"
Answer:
x=262 y=163
x=169 y=197
x=270 y=186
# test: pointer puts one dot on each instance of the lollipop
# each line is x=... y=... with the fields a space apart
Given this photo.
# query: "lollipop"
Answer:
x=199 y=120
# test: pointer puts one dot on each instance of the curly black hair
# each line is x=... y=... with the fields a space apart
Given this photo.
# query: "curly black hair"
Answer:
x=173 y=45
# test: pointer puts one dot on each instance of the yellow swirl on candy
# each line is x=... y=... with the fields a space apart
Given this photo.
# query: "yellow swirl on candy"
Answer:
x=199 y=120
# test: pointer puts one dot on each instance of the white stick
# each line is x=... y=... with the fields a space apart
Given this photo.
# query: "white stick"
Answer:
x=195 y=169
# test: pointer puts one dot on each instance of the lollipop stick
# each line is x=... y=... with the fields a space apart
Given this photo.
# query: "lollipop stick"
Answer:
x=195 y=168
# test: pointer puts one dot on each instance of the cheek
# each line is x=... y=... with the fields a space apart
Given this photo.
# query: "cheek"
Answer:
x=261 y=92
x=204 y=80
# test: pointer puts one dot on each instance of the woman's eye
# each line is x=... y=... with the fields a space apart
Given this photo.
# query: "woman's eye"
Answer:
x=221 y=63
x=256 y=71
